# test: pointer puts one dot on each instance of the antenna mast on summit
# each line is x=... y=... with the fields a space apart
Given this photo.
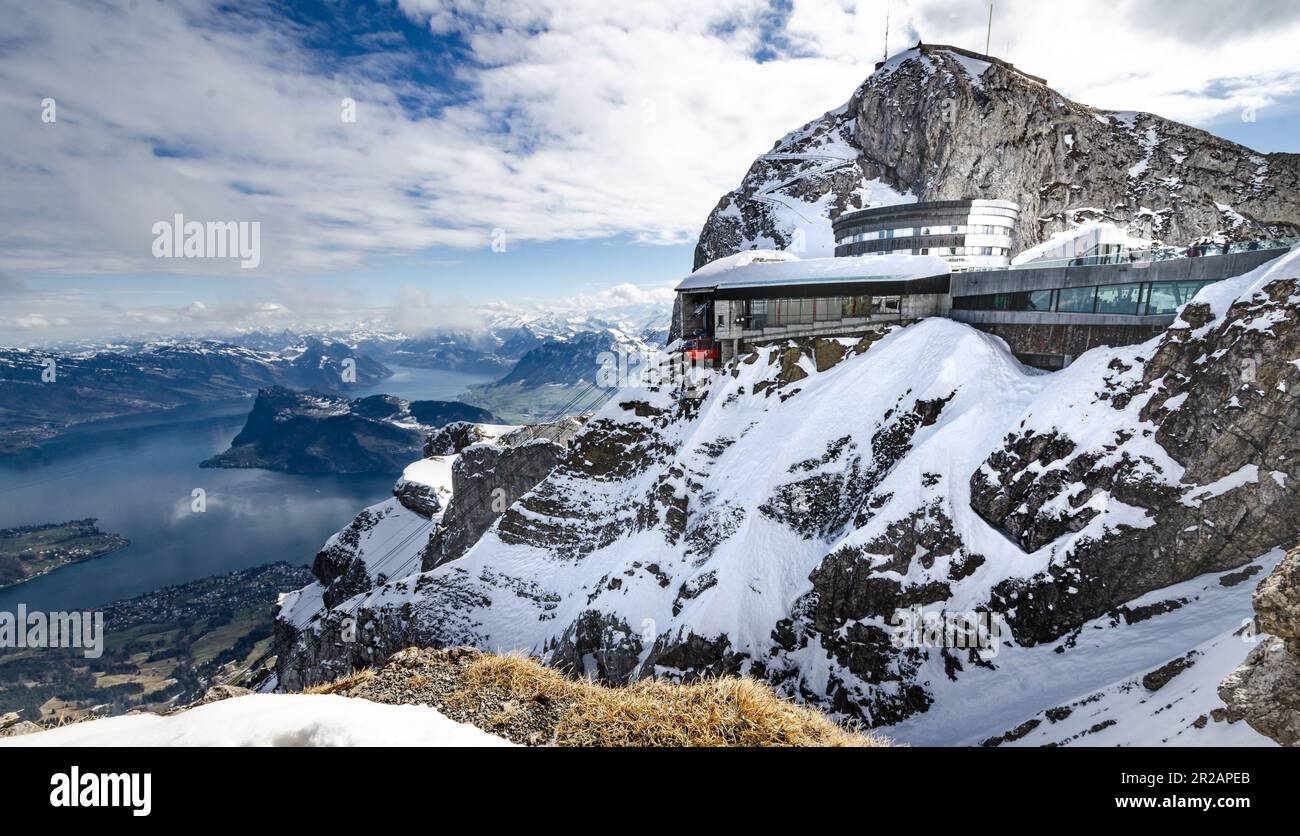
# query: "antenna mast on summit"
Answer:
x=886 y=58
x=988 y=39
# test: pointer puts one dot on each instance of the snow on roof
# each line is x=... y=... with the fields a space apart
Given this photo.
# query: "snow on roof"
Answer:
x=757 y=268
x=1066 y=244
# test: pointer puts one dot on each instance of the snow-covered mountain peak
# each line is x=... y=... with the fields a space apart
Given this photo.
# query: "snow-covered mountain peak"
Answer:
x=933 y=124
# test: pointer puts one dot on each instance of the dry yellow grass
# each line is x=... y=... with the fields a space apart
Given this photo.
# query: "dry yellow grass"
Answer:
x=496 y=690
x=342 y=684
x=720 y=711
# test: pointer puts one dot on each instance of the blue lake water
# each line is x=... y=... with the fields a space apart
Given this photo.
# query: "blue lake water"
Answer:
x=415 y=384
x=137 y=475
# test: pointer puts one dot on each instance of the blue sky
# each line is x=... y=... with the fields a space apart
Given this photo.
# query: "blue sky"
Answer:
x=592 y=138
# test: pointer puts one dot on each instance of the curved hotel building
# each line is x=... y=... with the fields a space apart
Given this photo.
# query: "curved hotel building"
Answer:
x=968 y=234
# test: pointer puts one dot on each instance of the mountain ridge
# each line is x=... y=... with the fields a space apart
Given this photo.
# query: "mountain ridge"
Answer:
x=932 y=124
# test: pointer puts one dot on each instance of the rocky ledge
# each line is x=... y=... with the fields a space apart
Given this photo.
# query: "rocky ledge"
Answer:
x=1265 y=690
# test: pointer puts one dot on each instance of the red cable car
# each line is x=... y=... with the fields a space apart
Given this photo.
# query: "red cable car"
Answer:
x=701 y=349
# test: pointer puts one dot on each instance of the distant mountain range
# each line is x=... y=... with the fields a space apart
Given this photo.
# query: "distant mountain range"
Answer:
x=559 y=376
x=45 y=394
x=92 y=382
x=545 y=364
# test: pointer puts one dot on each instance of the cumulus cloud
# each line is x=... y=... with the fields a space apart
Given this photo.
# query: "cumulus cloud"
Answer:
x=572 y=119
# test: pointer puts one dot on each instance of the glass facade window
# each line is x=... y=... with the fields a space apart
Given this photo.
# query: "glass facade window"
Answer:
x=1168 y=297
x=1119 y=299
x=1134 y=299
x=1040 y=300
x=775 y=313
x=1076 y=299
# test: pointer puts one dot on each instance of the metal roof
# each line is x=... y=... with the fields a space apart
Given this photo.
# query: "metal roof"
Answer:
x=754 y=272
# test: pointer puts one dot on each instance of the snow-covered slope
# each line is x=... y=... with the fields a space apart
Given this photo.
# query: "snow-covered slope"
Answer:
x=273 y=720
x=776 y=526
x=1145 y=676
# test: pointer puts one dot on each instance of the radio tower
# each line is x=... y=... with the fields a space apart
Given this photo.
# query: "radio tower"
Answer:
x=988 y=39
x=886 y=58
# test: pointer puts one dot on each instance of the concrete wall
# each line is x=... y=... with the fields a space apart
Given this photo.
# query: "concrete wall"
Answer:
x=727 y=311
x=1055 y=346
x=920 y=305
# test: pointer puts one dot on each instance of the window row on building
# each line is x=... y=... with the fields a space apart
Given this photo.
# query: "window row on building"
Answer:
x=1136 y=299
x=910 y=231
x=775 y=313
x=947 y=251
x=911 y=247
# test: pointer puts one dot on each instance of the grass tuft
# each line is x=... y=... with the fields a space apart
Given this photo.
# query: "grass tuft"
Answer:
x=717 y=711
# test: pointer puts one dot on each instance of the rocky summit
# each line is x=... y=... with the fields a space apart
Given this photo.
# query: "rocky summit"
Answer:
x=933 y=123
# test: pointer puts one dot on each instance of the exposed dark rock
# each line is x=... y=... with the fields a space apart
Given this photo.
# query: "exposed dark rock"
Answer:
x=924 y=127
x=1160 y=677
x=1234 y=578
x=1015 y=734
x=451 y=439
x=598 y=646
x=486 y=480
x=1265 y=689
x=691 y=656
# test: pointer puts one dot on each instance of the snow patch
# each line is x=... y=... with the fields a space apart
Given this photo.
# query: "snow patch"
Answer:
x=273 y=720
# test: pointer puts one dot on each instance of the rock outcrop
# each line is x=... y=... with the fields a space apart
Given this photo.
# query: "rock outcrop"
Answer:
x=418 y=497
x=932 y=124
x=486 y=480
x=1265 y=690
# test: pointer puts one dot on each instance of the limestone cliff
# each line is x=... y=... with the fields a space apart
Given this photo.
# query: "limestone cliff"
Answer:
x=932 y=124
x=1265 y=690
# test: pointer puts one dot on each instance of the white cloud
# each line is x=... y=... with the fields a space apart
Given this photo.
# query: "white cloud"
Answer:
x=576 y=119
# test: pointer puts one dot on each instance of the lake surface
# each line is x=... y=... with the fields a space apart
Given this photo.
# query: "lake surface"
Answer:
x=415 y=384
x=138 y=476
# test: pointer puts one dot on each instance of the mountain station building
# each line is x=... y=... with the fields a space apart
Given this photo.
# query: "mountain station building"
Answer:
x=895 y=265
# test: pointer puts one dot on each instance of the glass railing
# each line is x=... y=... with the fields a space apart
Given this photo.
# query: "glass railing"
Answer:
x=1156 y=254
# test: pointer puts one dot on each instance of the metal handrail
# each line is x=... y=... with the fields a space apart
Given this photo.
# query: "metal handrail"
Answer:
x=1153 y=254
